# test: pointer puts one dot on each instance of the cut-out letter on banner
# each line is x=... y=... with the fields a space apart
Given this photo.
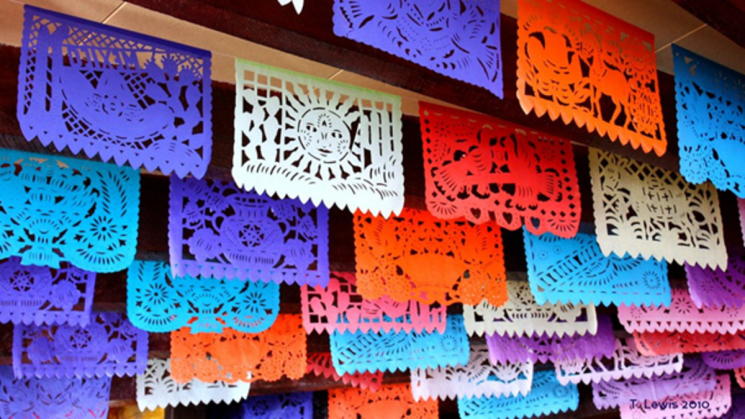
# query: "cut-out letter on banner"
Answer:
x=156 y=388
x=392 y=351
x=717 y=287
x=320 y=364
x=521 y=316
x=392 y=401
x=419 y=257
x=340 y=308
x=233 y=356
x=217 y=230
x=158 y=302
x=126 y=97
x=56 y=209
x=625 y=363
x=477 y=378
x=40 y=295
x=40 y=398
x=645 y=211
x=710 y=108
x=576 y=271
x=546 y=397
x=108 y=345
x=665 y=343
x=708 y=404
x=304 y=137
x=478 y=167
x=458 y=39
x=274 y=406
x=585 y=65
x=682 y=316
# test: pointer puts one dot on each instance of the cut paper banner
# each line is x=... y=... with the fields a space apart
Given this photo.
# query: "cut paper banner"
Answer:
x=576 y=271
x=40 y=295
x=477 y=378
x=572 y=58
x=546 y=397
x=156 y=388
x=709 y=404
x=480 y=167
x=56 y=209
x=309 y=138
x=457 y=39
x=725 y=360
x=419 y=257
x=682 y=316
x=108 y=345
x=35 y=397
x=696 y=377
x=233 y=356
x=645 y=211
x=126 y=97
x=297 y=4
x=740 y=377
x=627 y=362
x=717 y=287
x=551 y=348
x=665 y=343
x=392 y=351
x=737 y=410
x=521 y=316
x=321 y=365
x=710 y=104
x=158 y=302
x=275 y=406
x=392 y=401
x=741 y=206
x=340 y=308
x=217 y=230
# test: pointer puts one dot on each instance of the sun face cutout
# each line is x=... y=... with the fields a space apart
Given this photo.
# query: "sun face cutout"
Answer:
x=324 y=135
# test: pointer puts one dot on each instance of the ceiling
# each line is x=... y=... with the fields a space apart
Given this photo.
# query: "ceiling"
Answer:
x=668 y=22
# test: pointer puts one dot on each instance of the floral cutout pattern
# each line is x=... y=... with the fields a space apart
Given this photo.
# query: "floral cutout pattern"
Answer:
x=418 y=257
x=725 y=360
x=709 y=404
x=321 y=365
x=665 y=343
x=217 y=230
x=40 y=295
x=56 y=209
x=718 y=287
x=108 y=345
x=339 y=307
x=304 y=137
x=123 y=96
x=481 y=167
x=158 y=302
x=645 y=211
x=394 y=400
x=458 y=39
x=275 y=406
x=572 y=58
x=522 y=316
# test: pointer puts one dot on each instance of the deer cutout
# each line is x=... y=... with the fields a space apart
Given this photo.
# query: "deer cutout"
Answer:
x=606 y=71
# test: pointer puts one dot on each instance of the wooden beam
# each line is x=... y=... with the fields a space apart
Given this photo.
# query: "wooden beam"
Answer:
x=725 y=16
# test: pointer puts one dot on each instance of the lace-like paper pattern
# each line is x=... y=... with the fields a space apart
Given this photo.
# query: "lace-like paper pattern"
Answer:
x=546 y=397
x=218 y=230
x=717 y=287
x=718 y=401
x=663 y=343
x=460 y=40
x=725 y=360
x=544 y=348
x=108 y=345
x=478 y=167
x=156 y=388
x=158 y=302
x=339 y=307
x=308 y=138
x=710 y=101
x=651 y=212
x=126 y=97
x=682 y=316
x=477 y=378
x=572 y=58
x=276 y=406
x=696 y=377
x=392 y=351
x=392 y=401
x=422 y=258
x=233 y=356
x=576 y=271
x=522 y=316
x=320 y=364
x=39 y=295
x=53 y=397
x=55 y=209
